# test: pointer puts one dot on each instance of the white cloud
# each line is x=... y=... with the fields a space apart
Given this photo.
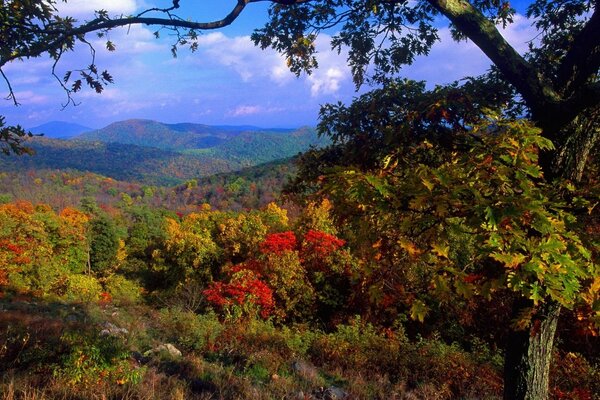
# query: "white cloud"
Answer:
x=134 y=39
x=246 y=110
x=520 y=33
x=326 y=81
x=31 y=97
x=239 y=54
x=450 y=60
x=86 y=8
x=251 y=63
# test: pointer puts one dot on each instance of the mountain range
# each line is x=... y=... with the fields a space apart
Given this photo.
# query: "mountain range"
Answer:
x=59 y=129
x=155 y=153
x=180 y=136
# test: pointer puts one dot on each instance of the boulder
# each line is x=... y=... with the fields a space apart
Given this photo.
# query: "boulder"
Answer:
x=166 y=348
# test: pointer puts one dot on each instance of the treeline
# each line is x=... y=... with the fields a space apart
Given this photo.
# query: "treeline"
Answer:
x=249 y=264
x=161 y=167
x=215 y=272
x=252 y=187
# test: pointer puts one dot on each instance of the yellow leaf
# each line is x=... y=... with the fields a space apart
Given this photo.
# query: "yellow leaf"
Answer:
x=428 y=184
x=410 y=248
x=440 y=250
x=418 y=310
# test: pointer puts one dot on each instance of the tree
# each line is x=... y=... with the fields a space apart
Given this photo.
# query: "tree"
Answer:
x=104 y=244
x=556 y=83
x=425 y=199
x=557 y=80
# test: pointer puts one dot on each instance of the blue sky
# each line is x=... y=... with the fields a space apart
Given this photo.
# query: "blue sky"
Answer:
x=227 y=81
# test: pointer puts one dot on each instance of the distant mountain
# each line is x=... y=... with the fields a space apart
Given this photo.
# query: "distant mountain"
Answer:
x=180 y=136
x=60 y=130
x=237 y=149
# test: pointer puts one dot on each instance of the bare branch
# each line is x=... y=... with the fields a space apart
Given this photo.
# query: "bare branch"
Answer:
x=55 y=37
x=11 y=92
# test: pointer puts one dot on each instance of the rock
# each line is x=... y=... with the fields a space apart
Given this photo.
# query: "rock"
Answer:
x=112 y=330
x=305 y=369
x=139 y=357
x=331 y=393
x=166 y=348
x=200 y=386
x=334 y=393
x=71 y=318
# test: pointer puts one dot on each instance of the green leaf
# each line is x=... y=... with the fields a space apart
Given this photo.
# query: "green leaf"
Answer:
x=463 y=288
x=536 y=293
x=490 y=218
x=510 y=260
x=552 y=245
x=533 y=170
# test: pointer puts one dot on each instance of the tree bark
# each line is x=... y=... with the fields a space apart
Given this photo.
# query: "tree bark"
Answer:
x=528 y=355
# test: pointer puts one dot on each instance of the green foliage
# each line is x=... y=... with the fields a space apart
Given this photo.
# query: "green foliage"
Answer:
x=13 y=139
x=122 y=290
x=293 y=292
x=83 y=288
x=156 y=166
x=317 y=216
x=104 y=244
x=524 y=227
x=189 y=330
x=39 y=248
x=91 y=361
x=189 y=250
x=239 y=235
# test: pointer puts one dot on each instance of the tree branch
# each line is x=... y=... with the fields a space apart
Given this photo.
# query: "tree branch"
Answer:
x=11 y=92
x=586 y=97
x=60 y=35
x=543 y=101
x=583 y=58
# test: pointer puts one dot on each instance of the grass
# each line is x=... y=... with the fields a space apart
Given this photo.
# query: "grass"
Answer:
x=54 y=351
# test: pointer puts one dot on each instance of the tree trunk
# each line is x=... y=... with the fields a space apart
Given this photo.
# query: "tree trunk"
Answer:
x=528 y=356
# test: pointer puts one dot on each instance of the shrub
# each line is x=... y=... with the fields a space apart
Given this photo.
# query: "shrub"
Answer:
x=572 y=377
x=245 y=295
x=278 y=243
x=83 y=288
x=189 y=330
x=94 y=361
x=122 y=290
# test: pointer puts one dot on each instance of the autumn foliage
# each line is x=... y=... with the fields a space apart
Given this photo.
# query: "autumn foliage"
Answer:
x=243 y=295
x=278 y=243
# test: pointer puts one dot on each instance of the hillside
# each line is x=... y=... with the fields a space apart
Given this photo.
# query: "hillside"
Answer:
x=237 y=149
x=252 y=187
x=179 y=136
x=59 y=129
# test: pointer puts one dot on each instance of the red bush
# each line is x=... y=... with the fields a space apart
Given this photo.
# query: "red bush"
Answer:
x=278 y=243
x=245 y=289
x=321 y=244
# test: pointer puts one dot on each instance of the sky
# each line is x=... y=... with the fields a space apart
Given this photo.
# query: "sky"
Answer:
x=228 y=81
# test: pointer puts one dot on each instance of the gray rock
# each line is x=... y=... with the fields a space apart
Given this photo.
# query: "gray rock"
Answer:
x=334 y=393
x=71 y=318
x=113 y=330
x=305 y=369
x=166 y=348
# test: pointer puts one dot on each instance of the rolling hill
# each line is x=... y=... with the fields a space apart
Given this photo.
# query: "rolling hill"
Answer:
x=174 y=163
x=180 y=136
x=59 y=129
